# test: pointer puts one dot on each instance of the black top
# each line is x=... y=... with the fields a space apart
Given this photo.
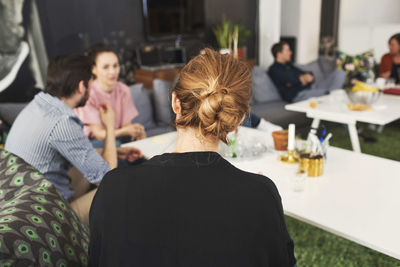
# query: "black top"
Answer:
x=395 y=73
x=188 y=209
x=286 y=79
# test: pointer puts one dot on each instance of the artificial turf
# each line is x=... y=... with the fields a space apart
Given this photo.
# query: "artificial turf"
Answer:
x=316 y=247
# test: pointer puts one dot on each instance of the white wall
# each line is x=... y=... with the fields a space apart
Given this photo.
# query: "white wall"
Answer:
x=269 y=29
x=369 y=12
x=367 y=24
x=309 y=30
x=301 y=19
x=290 y=17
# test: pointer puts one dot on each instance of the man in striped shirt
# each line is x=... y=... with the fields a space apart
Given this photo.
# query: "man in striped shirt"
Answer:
x=48 y=134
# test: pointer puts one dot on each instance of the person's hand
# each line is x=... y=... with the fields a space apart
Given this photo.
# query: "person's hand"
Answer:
x=136 y=131
x=129 y=153
x=386 y=74
x=107 y=115
x=306 y=78
x=302 y=79
x=309 y=77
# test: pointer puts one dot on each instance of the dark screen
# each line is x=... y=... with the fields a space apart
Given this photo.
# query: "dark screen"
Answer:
x=173 y=17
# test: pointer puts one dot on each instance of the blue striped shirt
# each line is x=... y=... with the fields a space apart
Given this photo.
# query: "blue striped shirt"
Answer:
x=48 y=135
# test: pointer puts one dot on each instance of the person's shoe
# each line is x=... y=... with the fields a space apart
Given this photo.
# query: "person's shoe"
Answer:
x=267 y=126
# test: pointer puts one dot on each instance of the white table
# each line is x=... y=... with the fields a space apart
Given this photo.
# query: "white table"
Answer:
x=384 y=111
x=358 y=196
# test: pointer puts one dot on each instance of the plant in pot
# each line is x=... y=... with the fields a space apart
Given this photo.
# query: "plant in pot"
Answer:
x=231 y=35
x=223 y=34
x=243 y=34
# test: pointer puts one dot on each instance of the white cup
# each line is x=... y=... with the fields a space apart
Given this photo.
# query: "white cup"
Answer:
x=380 y=82
x=337 y=96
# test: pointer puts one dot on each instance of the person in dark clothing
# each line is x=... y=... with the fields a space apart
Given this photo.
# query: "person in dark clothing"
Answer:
x=395 y=73
x=192 y=207
x=295 y=84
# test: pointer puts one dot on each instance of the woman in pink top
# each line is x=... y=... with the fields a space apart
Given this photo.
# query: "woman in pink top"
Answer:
x=107 y=89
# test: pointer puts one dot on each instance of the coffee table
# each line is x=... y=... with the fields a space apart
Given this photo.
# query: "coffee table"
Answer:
x=356 y=198
x=385 y=110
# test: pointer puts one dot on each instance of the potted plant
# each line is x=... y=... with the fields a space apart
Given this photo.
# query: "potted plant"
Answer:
x=231 y=35
x=223 y=34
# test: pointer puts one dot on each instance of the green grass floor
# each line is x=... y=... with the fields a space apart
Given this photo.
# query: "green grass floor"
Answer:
x=316 y=247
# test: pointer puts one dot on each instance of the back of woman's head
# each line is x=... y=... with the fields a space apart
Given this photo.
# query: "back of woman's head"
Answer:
x=214 y=92
x=95 y=50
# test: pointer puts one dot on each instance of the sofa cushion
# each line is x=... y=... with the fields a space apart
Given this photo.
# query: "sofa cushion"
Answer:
x=142 y=100
x=37 y=225
x=162 y=102
x=276 y=113
x=263 y=89
x=159 y=130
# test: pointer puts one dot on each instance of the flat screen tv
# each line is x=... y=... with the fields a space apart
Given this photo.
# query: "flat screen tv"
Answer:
x=167 y=19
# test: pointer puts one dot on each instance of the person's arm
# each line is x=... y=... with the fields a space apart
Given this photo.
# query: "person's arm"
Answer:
x=284 y=232
x=68 y=139
x=134 y=130
x=110 y=149
x=288 y=77
x=305 y=77
x=289 y=85
x=385 y=67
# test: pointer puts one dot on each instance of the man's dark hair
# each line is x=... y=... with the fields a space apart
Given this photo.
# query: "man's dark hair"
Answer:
x=65 y=72
x=278 y=47
x=395 y=37
x=98 y=48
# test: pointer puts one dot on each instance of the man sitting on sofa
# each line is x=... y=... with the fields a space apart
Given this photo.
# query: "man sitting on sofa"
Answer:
x=295 y=84
x=48 y=135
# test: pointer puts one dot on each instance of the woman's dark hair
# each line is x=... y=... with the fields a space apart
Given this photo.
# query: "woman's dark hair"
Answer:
x=65 y=72
x=395 y=37
x=277 y=48
x=98 y=48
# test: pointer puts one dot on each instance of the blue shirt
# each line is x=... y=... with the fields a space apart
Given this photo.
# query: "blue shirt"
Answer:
x=286 y=79
x=48 y=135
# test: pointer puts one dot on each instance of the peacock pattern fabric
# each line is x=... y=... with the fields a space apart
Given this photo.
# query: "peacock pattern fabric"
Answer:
x=37 y=225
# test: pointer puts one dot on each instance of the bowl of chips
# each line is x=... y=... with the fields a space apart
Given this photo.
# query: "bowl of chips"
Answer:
x=362 y=93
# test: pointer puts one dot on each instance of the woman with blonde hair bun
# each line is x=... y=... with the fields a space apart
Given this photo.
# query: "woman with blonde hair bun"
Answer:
x=192 y=207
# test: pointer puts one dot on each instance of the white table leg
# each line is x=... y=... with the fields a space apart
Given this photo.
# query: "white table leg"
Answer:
x=315 y=123
x=355 y=142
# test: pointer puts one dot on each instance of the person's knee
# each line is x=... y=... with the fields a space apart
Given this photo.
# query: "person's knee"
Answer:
x=340 y=74
x=81 y=206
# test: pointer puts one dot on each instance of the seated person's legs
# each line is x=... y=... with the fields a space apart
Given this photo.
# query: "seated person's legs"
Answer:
x=335 y=80
x=78 y=183
x=253 y=121
x=308 y=93
x=81 y=205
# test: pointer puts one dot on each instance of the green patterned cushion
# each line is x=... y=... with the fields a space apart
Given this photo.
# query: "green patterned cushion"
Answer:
x=37 y=225
x=357 y=67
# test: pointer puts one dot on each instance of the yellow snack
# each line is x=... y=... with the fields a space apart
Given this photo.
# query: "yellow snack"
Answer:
x=313 y=104
x=363 y=87
x=358 y=107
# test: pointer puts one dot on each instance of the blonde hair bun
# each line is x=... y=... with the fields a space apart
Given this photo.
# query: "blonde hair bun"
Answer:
x=214 y=91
